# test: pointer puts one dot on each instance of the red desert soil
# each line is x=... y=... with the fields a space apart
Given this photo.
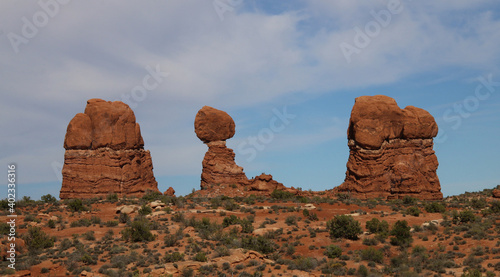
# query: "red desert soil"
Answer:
x=460 y=245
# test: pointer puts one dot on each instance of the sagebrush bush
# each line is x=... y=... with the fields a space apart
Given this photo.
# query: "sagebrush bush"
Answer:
x=344 y=226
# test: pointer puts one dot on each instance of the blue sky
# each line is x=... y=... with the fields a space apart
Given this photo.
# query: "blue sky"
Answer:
x=254 y=60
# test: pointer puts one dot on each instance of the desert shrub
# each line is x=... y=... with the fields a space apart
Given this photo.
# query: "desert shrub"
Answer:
x=36 y=239
x=89 y=235
x=48 y=199
x=123 y=218
x=95 y=220
x=363 y=271
x=151 y=196
x=76 y=205
x=333 y=251
x=282 y=195
x=375 y=226
x=344 y=226
x=435 y=207
x=111 y=223
x=222 y=251
x=401 y=234
x=303 y=263
x=370 y=241
x=138 y=231
x=145 y=210
x=291 y=220
x=463 y=217
x=414 y=211
x=187 y=272
x=246 y=226
x=372 y=254
x=230 y=220
x=310 y=215
x=472 y=273
x=478 y=203
x=112 y=197
x=172 y=239
x=51 y=224
x=408 y=200
x=205 y=228
x=174 y=257
x=495 y=206
x=258 y=243
x=200 y=257
x=83 y=222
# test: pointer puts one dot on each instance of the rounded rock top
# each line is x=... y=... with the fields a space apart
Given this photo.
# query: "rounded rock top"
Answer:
x=211 y=124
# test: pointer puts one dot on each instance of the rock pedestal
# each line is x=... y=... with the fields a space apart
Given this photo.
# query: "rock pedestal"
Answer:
x=105 y=153
x=391 y=151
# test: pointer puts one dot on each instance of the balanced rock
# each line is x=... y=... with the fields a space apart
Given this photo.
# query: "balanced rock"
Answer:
x=213 y=125
x=105 y=153
x=391 y=151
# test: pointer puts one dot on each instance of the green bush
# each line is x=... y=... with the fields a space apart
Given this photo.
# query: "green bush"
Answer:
x=259 y=244
x=246 y=226
x=174 y=257
x=372 y=254
x=76 y=205
x=333 y=251
x=435 y=207
x=200 y=257
x=112 y=197
x=48 y=198
x=282 y=195
x=145 y=210
x=408 y=200
x=36 y=239
x=375 y=226
x=463 y=217
x=150 y=196
x=401 y=234
x=138 y=231
x=414 y=211
x=230 y=220
x=344 y=226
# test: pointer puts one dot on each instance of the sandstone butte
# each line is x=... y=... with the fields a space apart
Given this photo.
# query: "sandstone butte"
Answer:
x=105 y=153
x=221 y=175
x=390 y=151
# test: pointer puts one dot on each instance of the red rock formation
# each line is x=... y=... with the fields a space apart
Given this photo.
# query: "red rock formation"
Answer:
x=213 y=125
x=496 y=193
x=265 y=183
x=105 y=153
x=169 y=192
x=391 y=151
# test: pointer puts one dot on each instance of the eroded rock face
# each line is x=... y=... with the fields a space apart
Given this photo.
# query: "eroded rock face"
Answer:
x=220 y=168
x=391 y=151
x=105 y=153
x=169 y=192
x=265 y=183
